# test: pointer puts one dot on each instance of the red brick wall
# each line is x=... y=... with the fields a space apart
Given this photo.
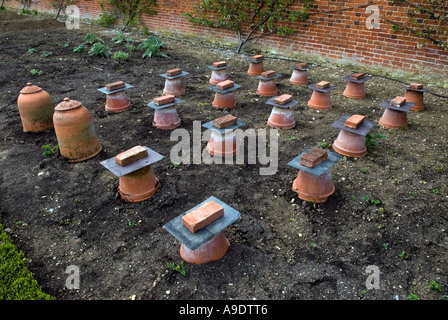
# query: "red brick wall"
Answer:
x=340 y=35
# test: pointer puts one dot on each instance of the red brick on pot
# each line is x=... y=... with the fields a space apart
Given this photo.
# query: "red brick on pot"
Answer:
x=164 y=99
x=225 y=121
x=115 y=85
x=354 y=121
x=219 y=64
x=417 y=86
x=131 y=155
x=283 y=99
x=173 y=72
x=323 y=85
x=313 y=157
x=357 y=75
x=398 y=101
x=202 y=216
x=225 y=84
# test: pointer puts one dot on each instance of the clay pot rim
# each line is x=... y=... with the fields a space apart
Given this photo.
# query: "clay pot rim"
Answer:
x=67 y=104
x=30 y=88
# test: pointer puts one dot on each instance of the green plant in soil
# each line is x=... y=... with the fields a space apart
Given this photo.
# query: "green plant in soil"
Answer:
x=16 y=281
x=92 y=39
x=79 y=48
x=122 y=38
x=99 y=49
x=152 y=47
x=372 y=140
x=49 y=150
x=120 y=56
x=179 y=268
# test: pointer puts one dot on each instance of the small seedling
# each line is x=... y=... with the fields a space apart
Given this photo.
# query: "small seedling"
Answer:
x=176 y=165
x=179 y=268
x=386 y=246
x=49 y=150
x=32 y=50
x=435 y=286
x=393 y=153
x=65 y=45
x=371 y=140
x=47 y=53
x=293 y=138
x=325 y=145
x=36 y=72
x=363 y=170
x=435 y=191
x=413 y=296
x=133 y=224
x=403 y=255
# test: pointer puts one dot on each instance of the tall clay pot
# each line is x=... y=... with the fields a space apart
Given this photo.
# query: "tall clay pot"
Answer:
x=350 y=144
x=75 y=131
x=35 y=109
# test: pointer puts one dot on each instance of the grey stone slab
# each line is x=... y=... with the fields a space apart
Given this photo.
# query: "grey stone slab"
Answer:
x=194 y=240
x=182 y=74
x=314 y=88
x=104 y=90
x=235 y=87
x=362 y=80
x=418 y=90
x=219 y=68
x=239 y=123
x=404 y=108
x=322 y=167
x=362 y=130
x=269 y=78
x=119 y=171
x=303 y=69
x=158 y=107
x=291 y=104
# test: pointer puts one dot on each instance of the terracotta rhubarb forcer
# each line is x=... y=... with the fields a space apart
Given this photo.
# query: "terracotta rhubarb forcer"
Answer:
x=35 y=109
x=414 y=93
x=395 y=115
x=173 y=82
x=219 y=72
x=310 y=187
x=300 y=74
x=165 y=112
x=139 y=185
x=224 y=97
x=116 y=98
x=282 y=114
x=256 y=67
x=351 y=141
x=355 y=87
x=314 y=180
x=214 y=249
x=136 y=180
x=201 y=234
x=266 y=83
x=223 y=141
x=75 y=132
x=321 y=96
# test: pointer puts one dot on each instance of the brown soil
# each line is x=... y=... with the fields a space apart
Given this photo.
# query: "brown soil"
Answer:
x=60 y=213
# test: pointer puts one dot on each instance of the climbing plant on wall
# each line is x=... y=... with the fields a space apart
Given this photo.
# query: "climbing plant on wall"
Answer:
x=427 y=19
x=246 y=17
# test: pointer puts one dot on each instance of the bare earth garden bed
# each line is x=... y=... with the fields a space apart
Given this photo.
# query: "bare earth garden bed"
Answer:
x=389 y=209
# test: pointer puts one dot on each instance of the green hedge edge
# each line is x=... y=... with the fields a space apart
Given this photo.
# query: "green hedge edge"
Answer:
x=16 y=281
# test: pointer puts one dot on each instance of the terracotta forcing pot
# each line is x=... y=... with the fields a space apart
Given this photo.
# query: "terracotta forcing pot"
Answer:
x=222 y=145
x=75 y=131
x=138 y=185
x=117 y=102
x=212 y=250
x=174 y=87
x=355 y=90
x=35 y=109
x=310 y=187
x=299 y=77
x=282 y=118
x=393 y=119
x=255 y=68
x=166 y=118
x=224 y=100
x=218 y=76
x=415 y=97
x=320 y=101
x=267 y=88
x=350 y=144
